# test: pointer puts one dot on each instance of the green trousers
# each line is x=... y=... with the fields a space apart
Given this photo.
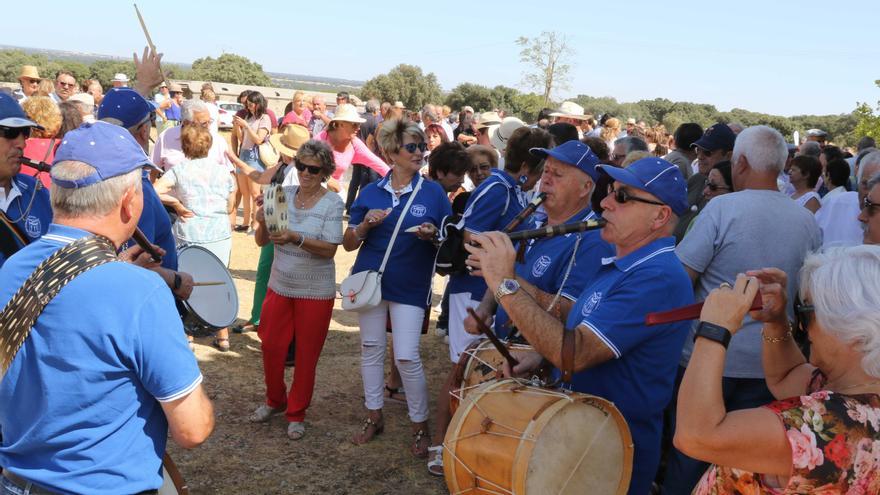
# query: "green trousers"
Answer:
x=267 y=254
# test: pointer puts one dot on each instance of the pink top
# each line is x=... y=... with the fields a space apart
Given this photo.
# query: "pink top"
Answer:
x=293 y=118
x=167 y=151
x=356 y=152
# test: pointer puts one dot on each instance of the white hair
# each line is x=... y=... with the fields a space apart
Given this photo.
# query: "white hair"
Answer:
x=94 y=200
x=844 y=287
x=764 y=148
x=869 y=160
x=189 y=107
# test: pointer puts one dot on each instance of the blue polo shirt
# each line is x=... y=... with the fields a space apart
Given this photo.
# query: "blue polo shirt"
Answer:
x=81 y=406
x=640 y=379
x=547 y=260
x=34 y=222
x=156 y=225
x=491 y=206
x=407 y=277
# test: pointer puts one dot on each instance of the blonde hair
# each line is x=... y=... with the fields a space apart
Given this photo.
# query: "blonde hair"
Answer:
x=195 y=141
x=392 y=131
x=208 y=95
x=43 y=111
x=610 y=130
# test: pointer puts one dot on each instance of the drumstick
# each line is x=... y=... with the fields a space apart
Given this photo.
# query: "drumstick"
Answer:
x=690 y=312
x=484 y=329
x=147 y=34
x=205 y=284
x=142 y=241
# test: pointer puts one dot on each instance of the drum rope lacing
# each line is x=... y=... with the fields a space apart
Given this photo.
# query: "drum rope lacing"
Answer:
x=473 y=353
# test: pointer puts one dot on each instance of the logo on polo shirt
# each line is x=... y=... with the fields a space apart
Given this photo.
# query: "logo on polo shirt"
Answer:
x=32 y=226
x=541 y=265
x=418 y=210
x=591 y=303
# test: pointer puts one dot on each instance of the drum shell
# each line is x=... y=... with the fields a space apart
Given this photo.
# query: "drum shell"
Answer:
x=479 y=363
x=511 y=438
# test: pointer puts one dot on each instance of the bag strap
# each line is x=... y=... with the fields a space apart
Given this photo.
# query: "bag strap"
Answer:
x=21 y=312
x=399 y=223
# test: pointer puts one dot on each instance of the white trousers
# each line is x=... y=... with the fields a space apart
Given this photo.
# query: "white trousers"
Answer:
x=459 y=339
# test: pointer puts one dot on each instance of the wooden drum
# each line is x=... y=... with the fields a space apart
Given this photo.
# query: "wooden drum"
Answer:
x=479 y=364
x=510 y=438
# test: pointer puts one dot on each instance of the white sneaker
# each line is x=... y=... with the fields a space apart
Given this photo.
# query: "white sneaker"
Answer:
x=296 y=430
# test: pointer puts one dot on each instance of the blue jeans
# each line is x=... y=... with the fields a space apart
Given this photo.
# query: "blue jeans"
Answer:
x=683 y=472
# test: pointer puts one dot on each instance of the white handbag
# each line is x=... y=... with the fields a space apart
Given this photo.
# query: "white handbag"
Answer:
x=362 y=291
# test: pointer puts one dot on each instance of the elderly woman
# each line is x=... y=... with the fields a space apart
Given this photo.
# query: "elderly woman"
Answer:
x=41 y=145
x=341 y=135
x=254 y=129
x=298 y=113
x=202 y=194
x=406 y=282
x=302 y=286
x=804 y=174
x=483 y=160
x=823 y=434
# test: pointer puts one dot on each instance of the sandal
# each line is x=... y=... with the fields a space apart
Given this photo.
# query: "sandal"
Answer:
x=241 y=228
x=396 y=394
x=263 y=413
x=296 y=430
x=369 y=430
x=422 y=442
x=435 y=460
x=244 y=327
x=221 y=343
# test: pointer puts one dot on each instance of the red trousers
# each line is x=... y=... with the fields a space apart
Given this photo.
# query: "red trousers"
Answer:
x=282 y=320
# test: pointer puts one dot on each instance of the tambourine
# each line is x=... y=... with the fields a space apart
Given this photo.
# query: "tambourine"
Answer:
x=275 y=208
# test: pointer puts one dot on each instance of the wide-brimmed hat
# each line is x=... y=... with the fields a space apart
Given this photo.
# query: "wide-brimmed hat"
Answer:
x=175 y=88
x=571 y=110
x=288 y=141
x=120 y=77
x=30 y=72
x=347 y=113
x=501 y=135
x=399 y=104
x=488 y=119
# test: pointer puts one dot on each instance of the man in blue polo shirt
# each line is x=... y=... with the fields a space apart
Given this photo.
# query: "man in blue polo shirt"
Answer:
x=104 y=374
x=24 y=203
x=616 y=355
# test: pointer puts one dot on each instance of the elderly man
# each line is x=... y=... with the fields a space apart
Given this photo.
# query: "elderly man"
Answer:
x=869 y=215
x=754 y=227
x=614 y=355
x=320 y=116
x=30 y=82
x=119 y=80
x=624 y=146
x=65 y=86
x=168 y=152
x=25 y=213
x=95 y=417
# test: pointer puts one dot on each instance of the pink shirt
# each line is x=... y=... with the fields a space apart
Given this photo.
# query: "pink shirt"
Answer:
x=356 y=152
x=167 y=151
x=293 y=118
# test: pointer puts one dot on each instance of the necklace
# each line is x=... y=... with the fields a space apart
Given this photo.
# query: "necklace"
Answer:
x=301 y=203
x=865 y=384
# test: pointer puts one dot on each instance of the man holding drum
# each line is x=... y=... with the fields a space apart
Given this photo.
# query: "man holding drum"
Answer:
x=613 y=354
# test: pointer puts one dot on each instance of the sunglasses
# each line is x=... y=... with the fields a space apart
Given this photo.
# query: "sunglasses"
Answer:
x=14 y=132
x=714 y=187
x=802 y=315
x=622 y=196
x=302 y=167
x=66 y=85
x=412 y=147
x=869 y=205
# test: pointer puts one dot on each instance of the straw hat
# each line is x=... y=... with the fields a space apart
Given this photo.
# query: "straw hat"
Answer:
x=175 y=88
x=288 y=141
x=399 y=104
x=347 y=113
x=488 y=119
x=120 y=77
x=571 y=110
x=30 y=72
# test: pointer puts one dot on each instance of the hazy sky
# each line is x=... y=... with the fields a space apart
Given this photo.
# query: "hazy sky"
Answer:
x=775 y=56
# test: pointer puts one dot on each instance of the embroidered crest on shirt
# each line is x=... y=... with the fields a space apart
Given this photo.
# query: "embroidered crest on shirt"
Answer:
x=591 y=304
x=32 y=226
x=418 y=210
x=540 y=266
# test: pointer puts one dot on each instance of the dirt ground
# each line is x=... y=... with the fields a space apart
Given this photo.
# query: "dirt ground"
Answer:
x=242 y=457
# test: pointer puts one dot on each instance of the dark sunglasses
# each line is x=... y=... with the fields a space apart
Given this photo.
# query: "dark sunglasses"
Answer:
x=622 y=196
x=714 y=187
x=802 y=315
x=412 y=147
x=14 y=132
x=869 y=205
x=302 y=167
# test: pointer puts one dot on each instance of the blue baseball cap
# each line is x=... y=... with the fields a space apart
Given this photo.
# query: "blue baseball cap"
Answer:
x=716 y=137
x=656 y=176
x=12 y=115
x=110 y=149
x=125 y=107
x=574 y=153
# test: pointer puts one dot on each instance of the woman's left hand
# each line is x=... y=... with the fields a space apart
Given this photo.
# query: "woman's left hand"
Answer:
x=285 y=237
x=333 y=185
x=427 y=231
x=727 y=306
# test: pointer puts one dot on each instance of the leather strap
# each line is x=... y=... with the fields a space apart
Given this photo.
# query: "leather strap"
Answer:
x=568 y=349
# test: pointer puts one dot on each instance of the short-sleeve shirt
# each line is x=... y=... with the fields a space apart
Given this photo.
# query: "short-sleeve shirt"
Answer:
x=81 y=400
x=33 y=222
x=640 y=377
x=297 y=272
x=407 y=276
x=741 y=231
x=168 y=151
x=834 y=441
x=547 y=261
x=156 y=225
x=293 y=118
x=490 y=207
x=264 y=122
x=204 y=189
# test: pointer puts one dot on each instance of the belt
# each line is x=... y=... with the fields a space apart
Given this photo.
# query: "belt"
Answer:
x=32 y=489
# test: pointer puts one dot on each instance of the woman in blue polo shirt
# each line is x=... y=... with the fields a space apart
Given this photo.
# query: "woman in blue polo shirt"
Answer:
x=406 y=281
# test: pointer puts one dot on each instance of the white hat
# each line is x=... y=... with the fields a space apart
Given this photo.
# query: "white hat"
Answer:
x=347 y=113
x=630 y=121
x=398 y=104
x=571 y=110
x=502 y=134
x=120 y=77
x=83 y=98
x=468 y=108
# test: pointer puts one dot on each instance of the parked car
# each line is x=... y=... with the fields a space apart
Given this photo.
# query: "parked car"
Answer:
x=228 y=110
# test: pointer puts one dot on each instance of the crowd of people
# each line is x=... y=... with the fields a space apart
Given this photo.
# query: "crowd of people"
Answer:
x=778 y=399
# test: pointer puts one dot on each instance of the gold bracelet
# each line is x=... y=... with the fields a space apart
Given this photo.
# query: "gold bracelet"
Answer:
x=776 y=340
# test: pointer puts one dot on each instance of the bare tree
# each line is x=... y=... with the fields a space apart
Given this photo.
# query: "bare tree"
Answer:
x=547 y=57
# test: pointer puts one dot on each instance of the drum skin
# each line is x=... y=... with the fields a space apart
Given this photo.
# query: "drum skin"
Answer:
x=215 y=306
x=512 y=438
x=480 y=363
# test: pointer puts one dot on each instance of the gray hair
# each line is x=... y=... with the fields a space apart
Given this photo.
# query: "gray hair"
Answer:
x=810 y=148
x=873 y=181
x=372 y=105
x=764 y=148
x=320 y=151
x=632 y=143
x=94 y=200
x=429 y=113
x=869 y=159
x=844 y=287
x=189 y=107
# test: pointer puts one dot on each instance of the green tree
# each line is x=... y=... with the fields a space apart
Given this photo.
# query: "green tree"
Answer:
x=477 y=96
x=547 y=59
x=406 y=83
x=230 y=68
x=12 y=60
x=104 y=70
x=867 y=122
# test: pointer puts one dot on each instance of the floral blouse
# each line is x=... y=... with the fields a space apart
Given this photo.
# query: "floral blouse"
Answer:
x=835 y=445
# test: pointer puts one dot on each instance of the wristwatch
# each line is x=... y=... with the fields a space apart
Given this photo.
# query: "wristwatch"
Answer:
x=714 y=332
x=508 y=286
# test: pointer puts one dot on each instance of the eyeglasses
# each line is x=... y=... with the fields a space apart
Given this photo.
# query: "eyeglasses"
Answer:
x=714 y=187
x=14 y=132
x=869 y=205
x=802 y=314
x=302 y=167
x=622 y=196
x=66 y=85
x=412 y=147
